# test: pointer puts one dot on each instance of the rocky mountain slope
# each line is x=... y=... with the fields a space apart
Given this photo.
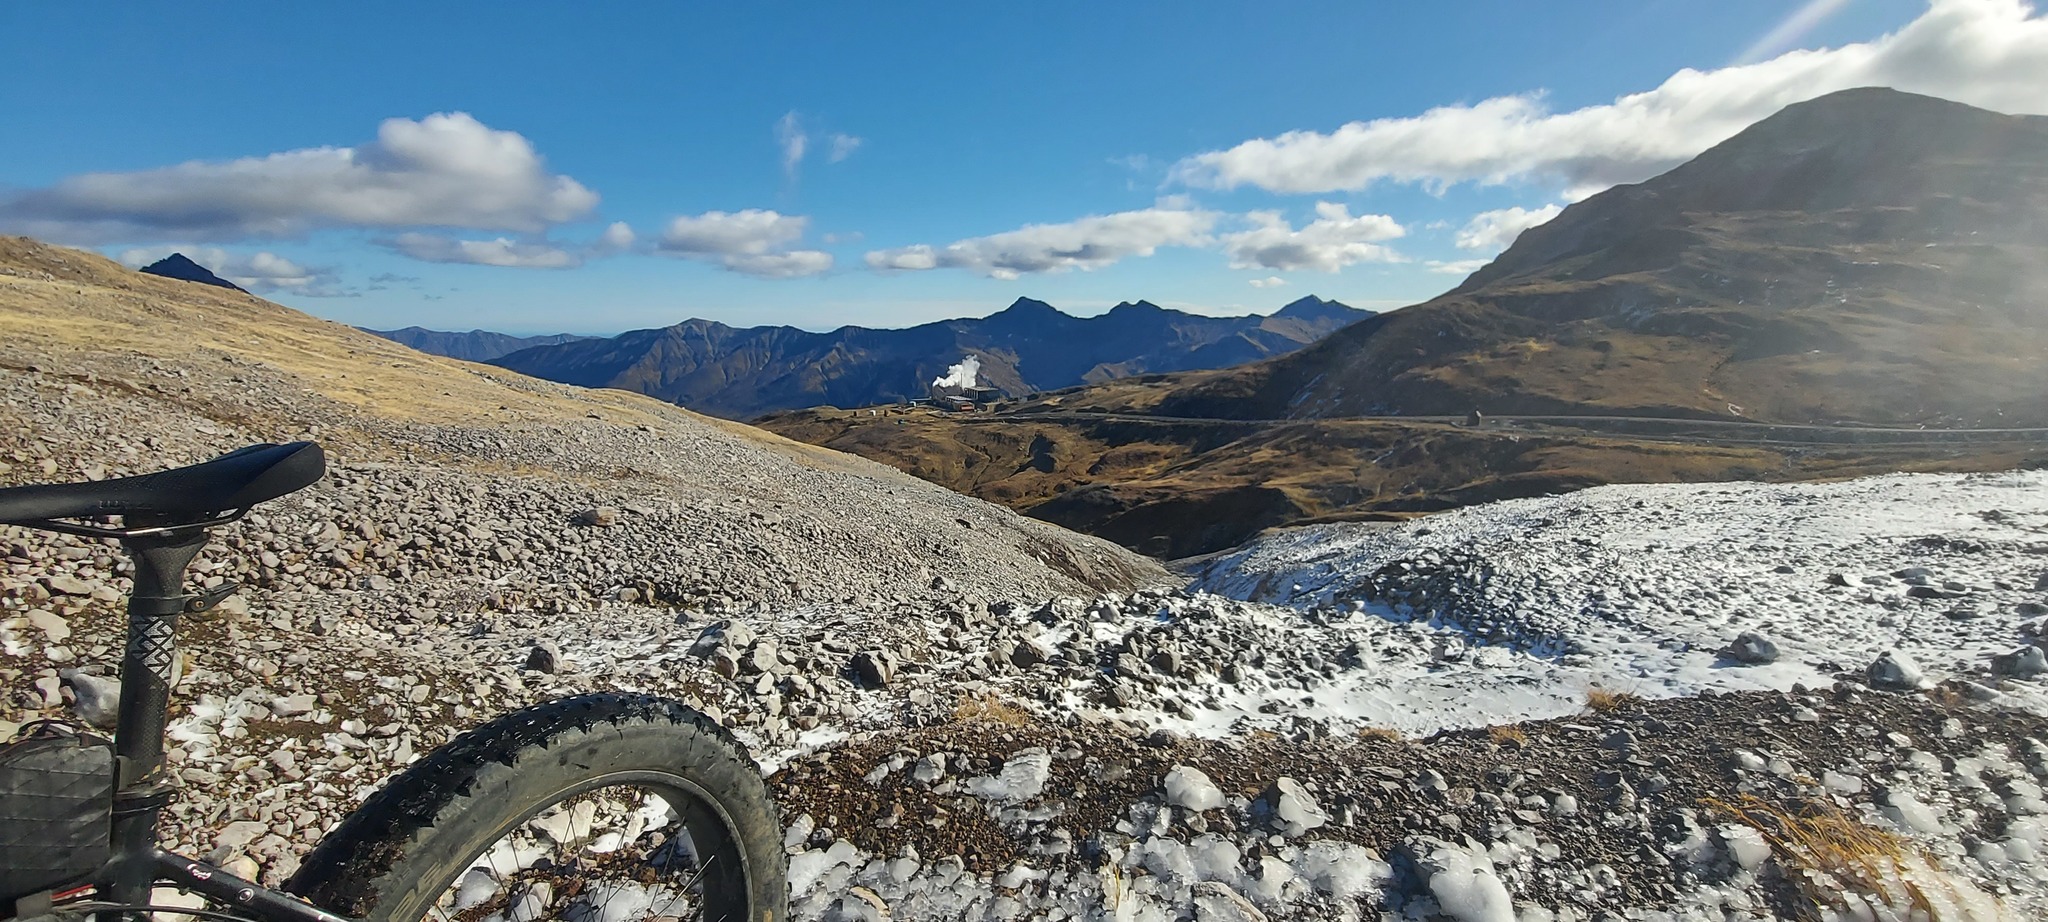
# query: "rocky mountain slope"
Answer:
x=1428 y=722
x=1029 y=346
x=473 y=346
x=114 y=371
x=178 y=266
x=1869 y=256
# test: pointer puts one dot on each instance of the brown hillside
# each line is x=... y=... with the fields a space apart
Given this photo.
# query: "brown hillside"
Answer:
x=1869 y=257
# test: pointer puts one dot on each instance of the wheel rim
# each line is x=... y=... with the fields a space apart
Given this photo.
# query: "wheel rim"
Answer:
x=616 y=849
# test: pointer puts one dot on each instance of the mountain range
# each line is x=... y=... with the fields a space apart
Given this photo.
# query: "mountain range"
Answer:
x=1866 y=259
x=473 y=346
x=1031 y=346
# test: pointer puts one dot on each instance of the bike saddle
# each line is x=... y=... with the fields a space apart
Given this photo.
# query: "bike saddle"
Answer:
x=233 y=481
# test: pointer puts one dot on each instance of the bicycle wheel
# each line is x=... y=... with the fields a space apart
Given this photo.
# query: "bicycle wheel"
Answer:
x=596 y=808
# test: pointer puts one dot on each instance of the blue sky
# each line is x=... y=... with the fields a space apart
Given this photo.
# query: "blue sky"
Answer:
x=534 y=167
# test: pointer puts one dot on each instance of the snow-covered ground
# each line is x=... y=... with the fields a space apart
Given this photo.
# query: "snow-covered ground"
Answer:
x=1517 y=609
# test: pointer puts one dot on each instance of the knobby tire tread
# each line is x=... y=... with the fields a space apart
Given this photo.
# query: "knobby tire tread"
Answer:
x=349 y=871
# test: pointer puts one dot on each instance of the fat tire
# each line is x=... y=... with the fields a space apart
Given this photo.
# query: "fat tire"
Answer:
x=393 y=857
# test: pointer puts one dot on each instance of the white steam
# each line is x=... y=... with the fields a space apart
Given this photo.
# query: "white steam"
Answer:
x=962 y=375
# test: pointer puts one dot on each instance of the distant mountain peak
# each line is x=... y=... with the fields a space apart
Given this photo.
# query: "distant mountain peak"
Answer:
x=1139 y=306
x=1303 y=303
x=178 y=266
x=1028 y=306
x=1310 y=307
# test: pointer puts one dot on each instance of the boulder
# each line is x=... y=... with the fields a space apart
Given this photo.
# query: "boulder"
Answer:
x=96 y=699
x=874 y=669
x=544 y=658
x=1895 y=671
x=1752 y=649
x=2024 y=663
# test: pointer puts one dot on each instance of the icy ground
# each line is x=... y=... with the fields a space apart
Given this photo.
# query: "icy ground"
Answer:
x=1514 y=610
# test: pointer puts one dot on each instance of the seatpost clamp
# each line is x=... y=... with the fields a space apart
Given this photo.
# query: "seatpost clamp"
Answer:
x=211 y=597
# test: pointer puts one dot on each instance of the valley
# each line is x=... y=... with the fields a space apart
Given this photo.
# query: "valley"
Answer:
x=1689 y=561
x=1796 y=303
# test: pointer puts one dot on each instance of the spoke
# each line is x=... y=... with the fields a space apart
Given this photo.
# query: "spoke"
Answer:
x=613 y=855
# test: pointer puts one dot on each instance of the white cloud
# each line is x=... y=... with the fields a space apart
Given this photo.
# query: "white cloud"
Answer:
x=843 y=146
x=617 y=238
x=1271 y=281
x=790 y=136
x=1457 y=266
x=1494 y=230
x=755 y=242
x=1088 y=243
x=1335 y=239
x=787 y=265
x=447 y=169
x=503 y=251
x=261 y=272
x=1989 y=53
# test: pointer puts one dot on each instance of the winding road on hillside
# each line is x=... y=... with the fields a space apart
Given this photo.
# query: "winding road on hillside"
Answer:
x=1714 y=432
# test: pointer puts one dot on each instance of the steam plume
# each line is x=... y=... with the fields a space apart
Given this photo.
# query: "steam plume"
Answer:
x=962 y=375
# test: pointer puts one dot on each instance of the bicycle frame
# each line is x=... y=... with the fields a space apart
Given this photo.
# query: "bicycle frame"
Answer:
x=161 y=552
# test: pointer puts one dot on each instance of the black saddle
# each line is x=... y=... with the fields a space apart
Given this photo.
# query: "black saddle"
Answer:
x=232 y=482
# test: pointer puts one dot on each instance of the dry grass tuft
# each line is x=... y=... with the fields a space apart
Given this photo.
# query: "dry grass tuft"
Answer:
x=988 y=708
x=1948 y=695
x=1507 y=734
x=1604 y=700
x=1826 y=851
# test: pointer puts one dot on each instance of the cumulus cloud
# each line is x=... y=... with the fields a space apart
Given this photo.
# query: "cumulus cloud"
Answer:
x=755 y=242
x=617 y=238
x=843 y=146
x=1494 y=230
x=262 y=272
x=1989 y=53
x=1088 y=243
x=446 y=170
x=503 y=251
x=1271 y=281
x=1335 y=239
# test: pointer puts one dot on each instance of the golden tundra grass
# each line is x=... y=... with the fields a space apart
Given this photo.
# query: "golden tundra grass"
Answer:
x=90 y=304
x=988 y=708
x=1604 y=700
x=1824 y=849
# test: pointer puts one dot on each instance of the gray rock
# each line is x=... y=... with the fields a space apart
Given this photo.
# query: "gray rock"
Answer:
x=61 y=584
x=1027 y=654
x=293 y=705
x=874 y=669
x=544 y=657
x=1752 y=648
x=2024 y=663
x=1894 y=670
x=53 y=627
x=235 y=835
x=96 y=699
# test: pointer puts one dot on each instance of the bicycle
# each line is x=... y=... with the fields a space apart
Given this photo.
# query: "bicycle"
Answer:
x=593 y=808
